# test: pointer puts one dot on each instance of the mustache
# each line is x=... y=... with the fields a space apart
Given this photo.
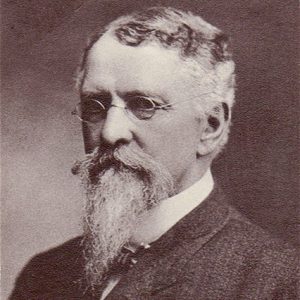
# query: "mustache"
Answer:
x=123 y=157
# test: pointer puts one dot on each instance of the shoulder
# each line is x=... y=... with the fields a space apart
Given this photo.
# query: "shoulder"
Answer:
x=231 y=242
x=254 y=242
x=247 y=252
x=243 y=259
x=57 y=259
x=246 y=234
x=56 y=269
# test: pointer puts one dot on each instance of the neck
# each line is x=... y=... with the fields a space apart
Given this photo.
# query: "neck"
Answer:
x=193 y=174
x=162 y=217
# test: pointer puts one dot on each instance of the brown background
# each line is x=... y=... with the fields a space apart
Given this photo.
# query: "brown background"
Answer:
x=41 y=44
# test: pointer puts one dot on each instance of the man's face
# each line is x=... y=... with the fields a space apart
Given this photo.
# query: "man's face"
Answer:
x=172 y=135
x=134 y=163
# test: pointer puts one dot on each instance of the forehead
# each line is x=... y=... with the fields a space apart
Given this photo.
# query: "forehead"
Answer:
x=113 y=66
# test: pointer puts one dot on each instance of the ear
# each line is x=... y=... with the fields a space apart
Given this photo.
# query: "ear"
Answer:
x=214 y=128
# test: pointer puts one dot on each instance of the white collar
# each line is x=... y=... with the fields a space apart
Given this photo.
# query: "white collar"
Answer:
x=171 y=210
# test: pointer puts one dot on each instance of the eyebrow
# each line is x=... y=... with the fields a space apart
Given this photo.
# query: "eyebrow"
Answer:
x=134 y=93
x=146 y=94
x=88 y=95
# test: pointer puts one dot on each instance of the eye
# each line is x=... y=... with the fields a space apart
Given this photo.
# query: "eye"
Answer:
x=141 y=107
x=91 y=106
x=140 y=103
x=103 y=99
x=92 y=111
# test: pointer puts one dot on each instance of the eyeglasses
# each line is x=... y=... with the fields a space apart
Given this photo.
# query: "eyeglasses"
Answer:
x=141 y=107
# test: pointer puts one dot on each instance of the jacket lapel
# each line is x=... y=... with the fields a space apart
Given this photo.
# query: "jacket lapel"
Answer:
x=164 y=263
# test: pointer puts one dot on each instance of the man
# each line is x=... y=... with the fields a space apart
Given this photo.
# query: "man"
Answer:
x=157 y=89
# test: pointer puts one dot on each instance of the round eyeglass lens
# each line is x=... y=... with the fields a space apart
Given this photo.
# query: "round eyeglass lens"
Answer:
x=141 y=107
x=91 y=111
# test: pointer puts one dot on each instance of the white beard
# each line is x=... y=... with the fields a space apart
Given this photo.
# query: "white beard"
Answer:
x=121 y=186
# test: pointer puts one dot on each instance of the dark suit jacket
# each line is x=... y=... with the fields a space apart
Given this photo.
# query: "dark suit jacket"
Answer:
x=212 y=253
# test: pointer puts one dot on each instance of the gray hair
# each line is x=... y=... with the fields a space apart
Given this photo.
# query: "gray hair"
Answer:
x=203 y=47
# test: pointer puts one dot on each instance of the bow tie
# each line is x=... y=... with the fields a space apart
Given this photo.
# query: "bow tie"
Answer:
x=127 y=259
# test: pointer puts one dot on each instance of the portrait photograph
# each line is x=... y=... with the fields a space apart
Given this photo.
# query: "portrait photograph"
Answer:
x=150 y=150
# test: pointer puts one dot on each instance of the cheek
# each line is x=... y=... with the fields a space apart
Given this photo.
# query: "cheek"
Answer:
x=174 y=144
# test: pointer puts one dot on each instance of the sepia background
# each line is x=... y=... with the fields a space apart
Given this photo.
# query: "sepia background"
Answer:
x=41 y=45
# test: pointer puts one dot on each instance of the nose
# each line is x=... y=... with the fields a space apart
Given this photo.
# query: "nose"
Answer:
x=117 y=127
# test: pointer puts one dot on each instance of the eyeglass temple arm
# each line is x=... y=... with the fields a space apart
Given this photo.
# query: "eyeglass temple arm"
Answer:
x=224 y=105
x=172 y=103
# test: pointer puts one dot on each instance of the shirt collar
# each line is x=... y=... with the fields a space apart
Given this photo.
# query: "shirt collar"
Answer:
x=171 y=210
